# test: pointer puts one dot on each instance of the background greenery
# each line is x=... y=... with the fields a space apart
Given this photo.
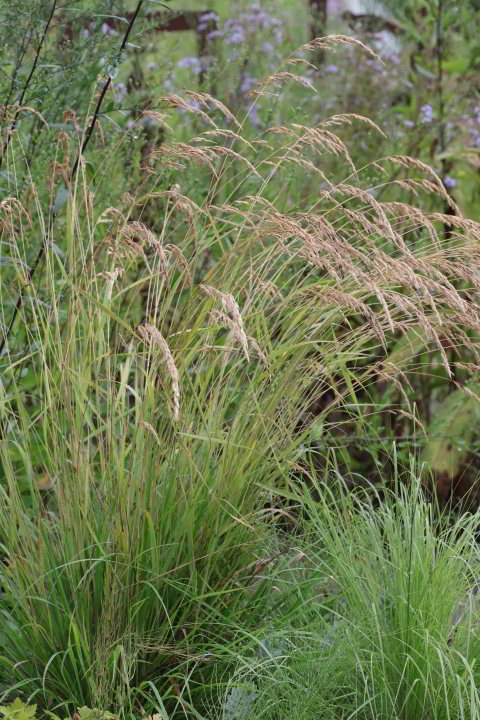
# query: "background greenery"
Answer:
x=238 y=368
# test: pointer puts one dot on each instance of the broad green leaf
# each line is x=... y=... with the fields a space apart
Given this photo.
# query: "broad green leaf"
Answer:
x=18 y=710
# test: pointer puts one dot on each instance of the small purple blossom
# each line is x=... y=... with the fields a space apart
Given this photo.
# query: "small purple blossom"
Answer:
x=427 y=111
x=253 y=116
x=146 y=122
x=131 y=124
x=85 y=33
x=214 y=34
x=120 y=91
x=209 y=17
x=237 y=36
x=268 y=47
x=151 y=66
x=106 y=29
x=449 y=181
x=409 y=123
x=190 y=62
x=332 y=68
x=247 y=83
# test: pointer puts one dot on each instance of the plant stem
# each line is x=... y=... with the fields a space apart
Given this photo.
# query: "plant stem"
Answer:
x=27 y=84
x=88 y=135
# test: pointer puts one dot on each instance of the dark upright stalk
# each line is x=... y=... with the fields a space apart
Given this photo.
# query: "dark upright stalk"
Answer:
x=27 y=84
x=86 y=140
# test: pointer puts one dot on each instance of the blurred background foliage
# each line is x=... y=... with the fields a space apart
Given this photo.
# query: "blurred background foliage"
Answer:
x=424 y=96
x=266 y=364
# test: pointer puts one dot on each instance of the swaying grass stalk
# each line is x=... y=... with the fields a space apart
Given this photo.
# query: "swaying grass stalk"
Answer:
x=176 y=375
x=394 y=632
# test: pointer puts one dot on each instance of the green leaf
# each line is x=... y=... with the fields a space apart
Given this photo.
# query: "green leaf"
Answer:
x=90 y=172
x=18 y=710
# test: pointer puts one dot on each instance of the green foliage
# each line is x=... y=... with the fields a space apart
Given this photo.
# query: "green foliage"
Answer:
x=452 y=431
x=18 y=710
x=396 y=627
x=212 y=303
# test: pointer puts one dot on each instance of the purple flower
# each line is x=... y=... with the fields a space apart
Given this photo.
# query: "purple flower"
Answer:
x=332 y=68
x=279 y=35
x=148 y=122
x=237 y=37
x=131 y=124
x=190 y=62
x=247 y=83
x=85 y=33
x=268 y=47
x=253 y=116
x=307 y=80
x=151 y=66
x=214 y=34
x=427 y=111
x=409 y=123
x=106 y=29
x=449 y=182
x=121 y=90
x=208 y=17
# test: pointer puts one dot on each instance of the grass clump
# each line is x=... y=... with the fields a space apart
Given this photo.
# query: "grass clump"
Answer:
x=396 y=629
x=161 y=389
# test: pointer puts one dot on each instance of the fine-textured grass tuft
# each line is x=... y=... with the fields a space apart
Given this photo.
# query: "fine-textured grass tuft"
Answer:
x=162 y=384
x=395 y=633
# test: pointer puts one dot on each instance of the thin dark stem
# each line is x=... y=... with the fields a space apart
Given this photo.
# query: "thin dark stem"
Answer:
x=91 y=127
x=88 y=135
x=439 y=51
x=27 y=84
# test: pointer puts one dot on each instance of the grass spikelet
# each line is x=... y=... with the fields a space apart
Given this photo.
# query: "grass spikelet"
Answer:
x=228 y=152
x=153 y=336
x=353 y=191
x=160 y=118
x=176 y=101
x=220 y=318
x=300 y=61
x=187 y=152
x=329 y=42
x=278 y=78
x=228 y=134
x=207 y=100
x=181 y=260
x=229 y=304
x=348 y=118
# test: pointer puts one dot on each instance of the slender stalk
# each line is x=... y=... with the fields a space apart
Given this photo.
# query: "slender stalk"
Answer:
x=91 y=127
x=73 y=172
x=439 y=52
x=27 y=84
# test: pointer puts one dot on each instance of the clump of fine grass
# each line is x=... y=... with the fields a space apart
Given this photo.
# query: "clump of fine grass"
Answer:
x=393 y=629
x=174 y=370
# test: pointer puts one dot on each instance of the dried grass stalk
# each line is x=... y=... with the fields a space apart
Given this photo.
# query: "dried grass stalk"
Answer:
x=153 y=336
